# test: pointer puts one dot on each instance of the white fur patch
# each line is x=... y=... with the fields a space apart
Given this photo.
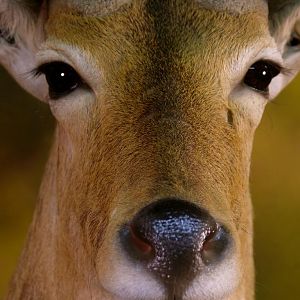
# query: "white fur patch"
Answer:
x=19 y=58
x=92 y=7
x=19 y=61
x=16 y=20
x=235 y=6
x=129 y=280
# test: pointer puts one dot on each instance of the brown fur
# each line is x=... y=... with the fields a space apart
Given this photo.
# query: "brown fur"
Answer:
x=157 y=127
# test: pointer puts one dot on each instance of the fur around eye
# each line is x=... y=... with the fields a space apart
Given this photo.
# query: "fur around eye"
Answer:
x=260 y=75
x=62 y=79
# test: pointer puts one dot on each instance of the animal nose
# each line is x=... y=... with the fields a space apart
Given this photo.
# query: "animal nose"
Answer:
x=174 y=239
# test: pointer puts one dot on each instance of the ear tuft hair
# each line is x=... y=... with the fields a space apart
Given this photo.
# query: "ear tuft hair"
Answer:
x=282 y=11
x=22 y=25
x=284 y=18
x=18 y=19
x=283 y=15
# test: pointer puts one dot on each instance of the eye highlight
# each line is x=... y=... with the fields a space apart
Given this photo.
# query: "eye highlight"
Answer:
x=260 y=75
x=61 y=77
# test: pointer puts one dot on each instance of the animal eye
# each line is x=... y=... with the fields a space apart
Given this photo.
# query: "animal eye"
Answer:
x=260 y=75
x=61 y=77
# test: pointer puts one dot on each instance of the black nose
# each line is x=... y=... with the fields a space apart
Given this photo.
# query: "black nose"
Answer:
x=175 y=239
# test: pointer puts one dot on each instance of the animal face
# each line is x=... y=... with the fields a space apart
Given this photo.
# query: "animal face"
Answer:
x=156 y=105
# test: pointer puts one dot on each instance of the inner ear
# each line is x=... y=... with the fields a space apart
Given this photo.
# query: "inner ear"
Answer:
x=7 y=37
x=21 y=33
x=291 y=48
x=294 y=40
x=284 y=20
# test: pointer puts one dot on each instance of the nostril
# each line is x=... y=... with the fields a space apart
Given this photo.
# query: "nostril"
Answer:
x=142 y=246
x=214 y=245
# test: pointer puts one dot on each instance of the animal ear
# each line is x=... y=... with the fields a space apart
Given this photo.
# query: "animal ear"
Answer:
x=21 y=33
x=284 y=18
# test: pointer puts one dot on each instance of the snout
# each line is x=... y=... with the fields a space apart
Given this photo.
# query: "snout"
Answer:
x=175 y=240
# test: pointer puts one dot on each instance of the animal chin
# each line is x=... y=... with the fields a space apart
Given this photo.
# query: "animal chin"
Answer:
x=132 y=282
x=202 y=288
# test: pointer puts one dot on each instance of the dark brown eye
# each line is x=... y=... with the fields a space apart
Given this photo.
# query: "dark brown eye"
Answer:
x=260 y=75
x=61 y=77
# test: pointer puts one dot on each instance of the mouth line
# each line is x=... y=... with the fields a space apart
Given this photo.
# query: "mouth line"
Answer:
x=174 y=291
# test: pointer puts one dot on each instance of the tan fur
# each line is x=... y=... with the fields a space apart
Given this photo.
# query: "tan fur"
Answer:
x=156 y=125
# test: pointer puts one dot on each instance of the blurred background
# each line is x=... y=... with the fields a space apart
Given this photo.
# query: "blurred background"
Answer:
x=26 y=128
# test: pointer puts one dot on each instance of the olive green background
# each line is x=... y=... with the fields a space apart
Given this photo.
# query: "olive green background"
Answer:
x=26 y=128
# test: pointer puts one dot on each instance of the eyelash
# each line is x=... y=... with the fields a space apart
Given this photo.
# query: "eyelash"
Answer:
x=38 y=71
x=61 y=77
x=43 y=68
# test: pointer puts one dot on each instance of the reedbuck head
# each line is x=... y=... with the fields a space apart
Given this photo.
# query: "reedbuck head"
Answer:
x=146 y=192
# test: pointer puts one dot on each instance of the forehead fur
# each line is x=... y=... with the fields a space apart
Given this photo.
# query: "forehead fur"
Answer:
x=106 y=6
x=185 y=23
x=91 y=7
x=173 y=32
